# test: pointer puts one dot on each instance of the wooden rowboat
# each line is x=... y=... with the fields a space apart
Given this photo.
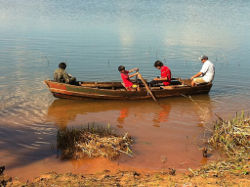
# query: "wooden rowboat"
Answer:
x=116 y=91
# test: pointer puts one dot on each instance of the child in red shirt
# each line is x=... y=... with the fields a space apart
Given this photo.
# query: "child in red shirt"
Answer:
x=165 y=73
x=126 y=78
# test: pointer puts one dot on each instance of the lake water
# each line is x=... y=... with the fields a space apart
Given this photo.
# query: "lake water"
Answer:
x=94 y=37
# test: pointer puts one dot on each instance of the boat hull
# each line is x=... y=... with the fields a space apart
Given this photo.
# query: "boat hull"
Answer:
x=67 y=91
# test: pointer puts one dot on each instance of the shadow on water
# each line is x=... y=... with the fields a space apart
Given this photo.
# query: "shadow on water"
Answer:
x=26 y=145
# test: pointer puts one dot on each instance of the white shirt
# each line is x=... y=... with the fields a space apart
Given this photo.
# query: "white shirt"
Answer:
x=208 y=71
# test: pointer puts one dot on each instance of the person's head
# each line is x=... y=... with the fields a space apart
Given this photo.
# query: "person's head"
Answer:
x=158 y=64
x=203 y=58
x=62 y=65
x=121 y=69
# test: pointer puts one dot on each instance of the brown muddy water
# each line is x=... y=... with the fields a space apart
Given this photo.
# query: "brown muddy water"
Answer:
x=167 y=135
x=95 y=37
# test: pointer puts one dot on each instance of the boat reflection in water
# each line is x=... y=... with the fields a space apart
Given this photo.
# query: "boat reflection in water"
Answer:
x=66 y=112
x=178 y=136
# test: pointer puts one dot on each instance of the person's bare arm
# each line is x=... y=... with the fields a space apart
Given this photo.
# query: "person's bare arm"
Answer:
x=134 y=69
x=196 y=75
x=135 y=74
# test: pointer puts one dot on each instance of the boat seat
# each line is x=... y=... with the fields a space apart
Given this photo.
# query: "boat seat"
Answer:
x=155 y=88
x=203 y=83
x=168 y=87
x=171 y=87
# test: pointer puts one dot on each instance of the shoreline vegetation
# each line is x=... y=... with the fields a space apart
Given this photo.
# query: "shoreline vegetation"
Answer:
x=93 y=141
x=229 y=137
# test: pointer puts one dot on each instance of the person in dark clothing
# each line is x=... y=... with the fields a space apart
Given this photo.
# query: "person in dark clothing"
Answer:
x=60 y=75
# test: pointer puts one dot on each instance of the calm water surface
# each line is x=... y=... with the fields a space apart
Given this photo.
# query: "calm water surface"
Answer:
x=94 y=37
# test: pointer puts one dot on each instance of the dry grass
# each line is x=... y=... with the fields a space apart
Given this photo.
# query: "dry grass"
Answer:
x=93 y=141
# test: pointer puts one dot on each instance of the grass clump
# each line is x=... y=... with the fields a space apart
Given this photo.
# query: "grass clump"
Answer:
x=231 y=138
x=92 y=141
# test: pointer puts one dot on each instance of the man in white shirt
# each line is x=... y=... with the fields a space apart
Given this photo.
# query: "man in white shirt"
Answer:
x=206 y=73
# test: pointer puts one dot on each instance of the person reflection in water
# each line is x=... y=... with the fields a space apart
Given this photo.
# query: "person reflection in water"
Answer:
x=121 y=118
x=60 y=75
x=162 y=116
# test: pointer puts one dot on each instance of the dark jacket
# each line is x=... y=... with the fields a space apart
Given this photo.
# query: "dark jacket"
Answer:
x=60 y=75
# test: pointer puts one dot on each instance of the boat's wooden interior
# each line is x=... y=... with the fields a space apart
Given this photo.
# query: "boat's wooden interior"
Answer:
x=175 y=83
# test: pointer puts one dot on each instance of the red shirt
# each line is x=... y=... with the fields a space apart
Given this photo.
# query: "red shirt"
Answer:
x=166 y=72
x=125 y=78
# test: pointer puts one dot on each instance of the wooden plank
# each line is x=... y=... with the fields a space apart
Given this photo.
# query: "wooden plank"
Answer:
x=101 y=84
x=146 y=86
x=173 y=87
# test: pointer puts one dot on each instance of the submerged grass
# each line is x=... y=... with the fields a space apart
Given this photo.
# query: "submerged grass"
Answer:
x=92 y=141
x=231 y=138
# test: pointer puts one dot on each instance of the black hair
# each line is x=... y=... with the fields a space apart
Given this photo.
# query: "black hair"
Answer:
x=120 y=68
x=158 y=63
x=205 y=58
x=62 y=65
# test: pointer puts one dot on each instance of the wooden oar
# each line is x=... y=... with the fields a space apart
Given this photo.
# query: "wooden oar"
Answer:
x=146 y=86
